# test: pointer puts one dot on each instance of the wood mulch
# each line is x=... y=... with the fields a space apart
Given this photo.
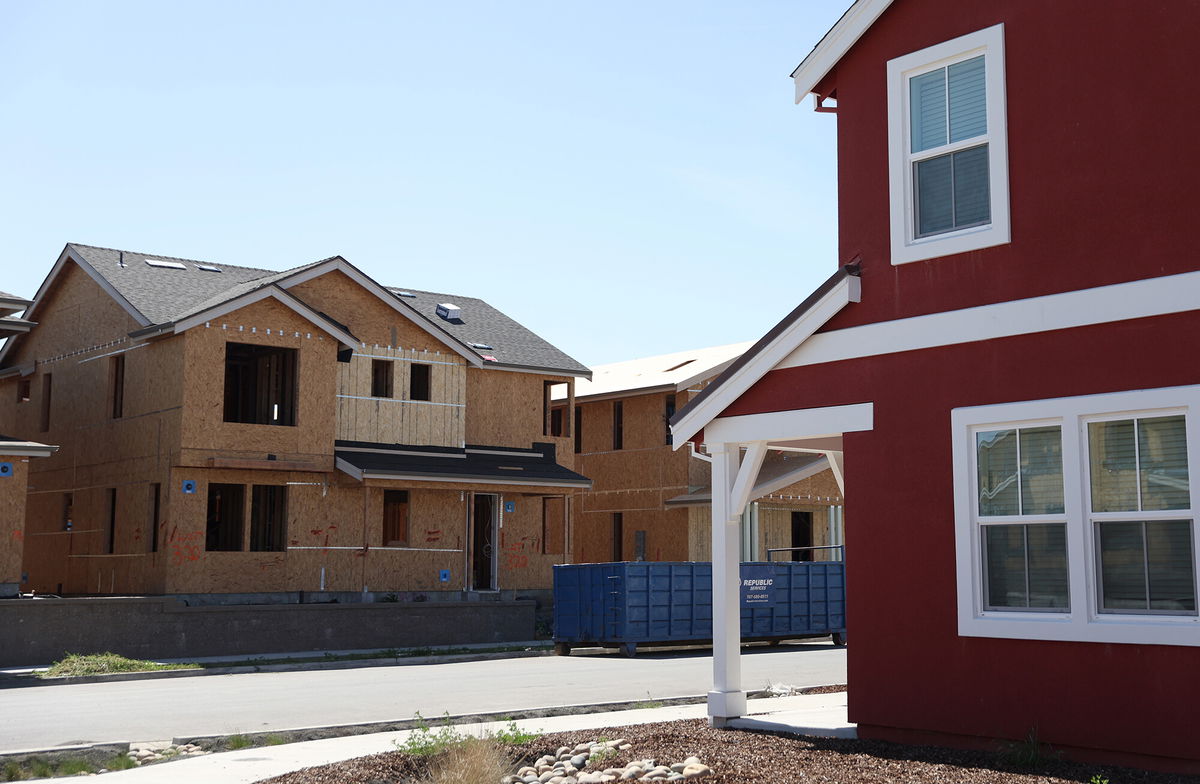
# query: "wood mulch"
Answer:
x=741 y=757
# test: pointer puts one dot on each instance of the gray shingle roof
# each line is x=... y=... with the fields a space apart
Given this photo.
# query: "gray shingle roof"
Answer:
x=167 y=294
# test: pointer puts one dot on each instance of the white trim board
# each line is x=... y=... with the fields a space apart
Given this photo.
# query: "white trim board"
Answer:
x=1087 y=307
x=847 y=290
x=791 y=425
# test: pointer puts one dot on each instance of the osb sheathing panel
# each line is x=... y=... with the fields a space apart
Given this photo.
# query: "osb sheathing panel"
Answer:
x=366 y=316
x=506 y=409
x=635 y=469
x=441 y=421
x=12 y=518
x=522 y=562
x=822 y=488
x=204 y=427
x=666 y=535
x=74 y=313
x=775 y=529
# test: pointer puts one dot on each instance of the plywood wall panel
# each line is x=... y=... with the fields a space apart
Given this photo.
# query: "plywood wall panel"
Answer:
x=398 y=420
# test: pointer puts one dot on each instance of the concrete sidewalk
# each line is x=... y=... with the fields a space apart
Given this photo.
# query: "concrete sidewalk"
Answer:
x=816 y=714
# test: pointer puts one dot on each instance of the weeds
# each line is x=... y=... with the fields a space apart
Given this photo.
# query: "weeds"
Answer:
x=274 y=739
x=13 y=772
x=40 y=769
x=649 y=702
x=423 y=741
x=473 y=761
x=1030 y=752
x=238 y=741
x=73 y=767
x=1097 y=779
x=121 y=762
x=512 y=735
x=76 y=664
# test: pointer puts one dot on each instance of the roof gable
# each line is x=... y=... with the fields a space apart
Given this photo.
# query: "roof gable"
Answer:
x=834 y=45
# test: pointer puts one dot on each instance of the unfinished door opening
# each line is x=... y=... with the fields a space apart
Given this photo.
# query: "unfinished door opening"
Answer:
x=268 y=518
x=395 y=518
x=802 y=535
x=226 y=510
x=483 y=542
x=260 y=384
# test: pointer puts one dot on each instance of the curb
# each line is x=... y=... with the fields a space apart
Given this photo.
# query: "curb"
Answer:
x=29 y=680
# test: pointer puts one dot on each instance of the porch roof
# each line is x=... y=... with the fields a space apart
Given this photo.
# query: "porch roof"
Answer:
x=479 y=464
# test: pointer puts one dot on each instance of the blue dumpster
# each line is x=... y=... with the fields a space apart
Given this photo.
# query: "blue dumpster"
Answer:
x=630 y=603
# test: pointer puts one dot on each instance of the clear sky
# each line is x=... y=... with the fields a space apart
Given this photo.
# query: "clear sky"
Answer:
x=624 y=178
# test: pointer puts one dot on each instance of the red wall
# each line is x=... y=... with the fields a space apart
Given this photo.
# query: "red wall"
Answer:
x=1102 y=121
x=908 y=667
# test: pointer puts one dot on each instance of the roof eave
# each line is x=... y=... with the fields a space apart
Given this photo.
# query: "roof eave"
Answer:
x=546 y=371
x=831 y=48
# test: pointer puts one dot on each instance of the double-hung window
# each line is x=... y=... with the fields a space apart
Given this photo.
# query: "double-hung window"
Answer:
x=1074 y=518
x=948 y=152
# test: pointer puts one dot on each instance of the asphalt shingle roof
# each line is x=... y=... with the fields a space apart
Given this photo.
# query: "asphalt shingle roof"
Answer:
x=167 y=294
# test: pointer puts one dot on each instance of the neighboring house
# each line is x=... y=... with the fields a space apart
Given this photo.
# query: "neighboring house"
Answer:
x=14 y=467
x=649 y=502
x=228 y=430
x=1003 y=372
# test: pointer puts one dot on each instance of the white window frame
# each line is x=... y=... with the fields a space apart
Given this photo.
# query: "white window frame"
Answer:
x=906 y=246
x=1084 y=622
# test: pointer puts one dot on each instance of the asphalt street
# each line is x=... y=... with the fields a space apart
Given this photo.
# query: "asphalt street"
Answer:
x=45 y=716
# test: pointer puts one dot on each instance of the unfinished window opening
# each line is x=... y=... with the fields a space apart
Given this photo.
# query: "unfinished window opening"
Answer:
x=381 y=377
x=111 y=544
x=226 y=510
x=802 y=536
x=116 y=386
x=557 y=417
x=668 y=412
x=268 y=518
x=618 y=535
x=618 y=425
x=395 y=518
x=260 y=384
x=418 y=382
x=578 y=430
x=639 y=545
x=24 y=390
x=47 y=388
x=155 y=514
x=548 y=409
x=68 y=511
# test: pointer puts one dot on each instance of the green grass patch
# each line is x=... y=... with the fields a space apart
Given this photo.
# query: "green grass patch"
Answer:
x=121 y=762
x=238 y=741
x=77 y=664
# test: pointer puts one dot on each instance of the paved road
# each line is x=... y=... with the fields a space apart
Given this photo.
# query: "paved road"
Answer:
x=45 y=716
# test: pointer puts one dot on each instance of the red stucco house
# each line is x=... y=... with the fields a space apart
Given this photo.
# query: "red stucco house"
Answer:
x=1003 y=373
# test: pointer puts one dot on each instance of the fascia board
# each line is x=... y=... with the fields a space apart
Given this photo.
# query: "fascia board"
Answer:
x=843 y=35
x=704 y=375
x=847 y=290
x=368 y=283
x=619 y=394
x=348 y=468
x=27 y=449
x=541 y=371
x=273 y=292
x=478 y=480
x=63 y=258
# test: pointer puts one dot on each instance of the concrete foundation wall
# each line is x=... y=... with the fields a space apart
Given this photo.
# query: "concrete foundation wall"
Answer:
x=44 y=630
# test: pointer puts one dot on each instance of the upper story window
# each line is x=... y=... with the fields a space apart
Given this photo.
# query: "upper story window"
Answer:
x=382 y=374
x=948 y=148
x=261 y=384
x=1074 y=518
x=419 y=386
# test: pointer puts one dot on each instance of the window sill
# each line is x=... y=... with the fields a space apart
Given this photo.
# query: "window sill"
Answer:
x=950 y=243
x=1054 y=627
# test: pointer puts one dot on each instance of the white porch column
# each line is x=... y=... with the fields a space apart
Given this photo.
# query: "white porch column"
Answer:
x=727 y=700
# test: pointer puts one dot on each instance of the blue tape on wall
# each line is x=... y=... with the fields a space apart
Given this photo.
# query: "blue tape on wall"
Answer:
x=510 y=507
x=189 y=486
x=6 y=470
x=444 y=576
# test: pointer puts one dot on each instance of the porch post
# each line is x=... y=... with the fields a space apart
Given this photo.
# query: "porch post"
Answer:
x=727 y=700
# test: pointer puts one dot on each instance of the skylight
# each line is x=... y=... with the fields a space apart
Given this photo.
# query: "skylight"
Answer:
x=483 y=346
x=208 y=268
x=165 y=264
x=403 y=293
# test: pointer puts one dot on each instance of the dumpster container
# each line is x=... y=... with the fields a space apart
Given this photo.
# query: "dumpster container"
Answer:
x=625 y=604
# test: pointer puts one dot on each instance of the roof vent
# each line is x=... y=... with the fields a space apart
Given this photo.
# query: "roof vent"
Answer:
x=208 y=268
x=165 y=264
x=483 y=346
x=681 y=364
x=449 y=311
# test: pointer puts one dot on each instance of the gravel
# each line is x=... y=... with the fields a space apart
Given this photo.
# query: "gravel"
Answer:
x=741 y=757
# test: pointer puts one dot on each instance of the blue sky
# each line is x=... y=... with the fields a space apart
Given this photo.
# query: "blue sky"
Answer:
x=624 y=178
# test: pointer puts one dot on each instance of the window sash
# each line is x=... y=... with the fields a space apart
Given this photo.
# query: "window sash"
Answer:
x=1119 y=575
